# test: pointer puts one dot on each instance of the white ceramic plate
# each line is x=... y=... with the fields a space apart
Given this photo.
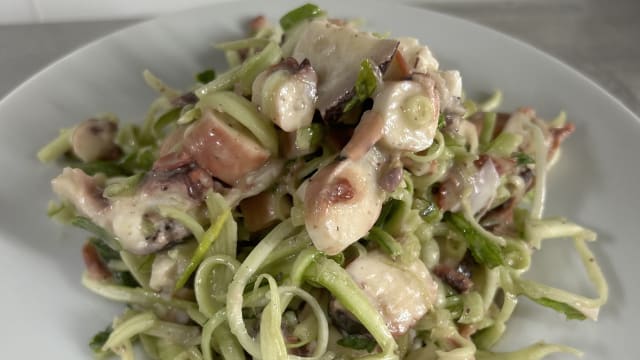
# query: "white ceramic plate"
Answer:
x=47 y=314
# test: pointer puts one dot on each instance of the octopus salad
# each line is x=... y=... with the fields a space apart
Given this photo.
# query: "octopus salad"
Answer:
x=333 y=194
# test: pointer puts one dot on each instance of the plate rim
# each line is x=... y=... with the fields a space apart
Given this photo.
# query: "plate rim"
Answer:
x=616 y=105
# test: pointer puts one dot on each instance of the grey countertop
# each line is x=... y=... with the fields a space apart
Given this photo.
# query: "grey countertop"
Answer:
x=599 y=38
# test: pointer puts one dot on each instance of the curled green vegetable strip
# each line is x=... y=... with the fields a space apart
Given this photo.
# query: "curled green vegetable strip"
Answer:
x=328 y=274
x=483 y=249
x=244 y=73
x=57 y=147
x=243 y=111
x=207 y=239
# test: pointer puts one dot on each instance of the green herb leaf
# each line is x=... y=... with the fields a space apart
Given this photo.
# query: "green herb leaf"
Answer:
x=108 y=168
x=126 y=186
x=358 y=342
x=128 y=137
x=385 y=241
x=124 y=278
x=339 y=258
x=523 y=158
x=206 y=76
x=295 y=16
x=442 y=121
x=455 y=305
x=145 y=159
x=98 y=340
x=309 y=137
x=484 y=250
x=365 y=86
x=428 y=210
x=387 y=209
x=570 y=312
x=102 y=234
x=140 y=160
x=105 y=253
x=165 y=119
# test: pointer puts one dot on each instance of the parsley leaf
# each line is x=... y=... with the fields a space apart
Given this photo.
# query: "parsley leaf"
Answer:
x=102 y=234
x=99 y=339
x=168 y=117
x=484 y=250
x=523 y=158
x=366 y=84
x=206 y=76
x=358 y=342
x=385 y=241
x=124 y=278
x=105 y=253
x=442 y=121
x=388 y=208
x=109 y=168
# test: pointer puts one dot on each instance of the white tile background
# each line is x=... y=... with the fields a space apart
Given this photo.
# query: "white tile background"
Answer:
x=12 y=11
x=37 y=11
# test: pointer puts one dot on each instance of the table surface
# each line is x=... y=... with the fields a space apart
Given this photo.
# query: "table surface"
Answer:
x=599 y=38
